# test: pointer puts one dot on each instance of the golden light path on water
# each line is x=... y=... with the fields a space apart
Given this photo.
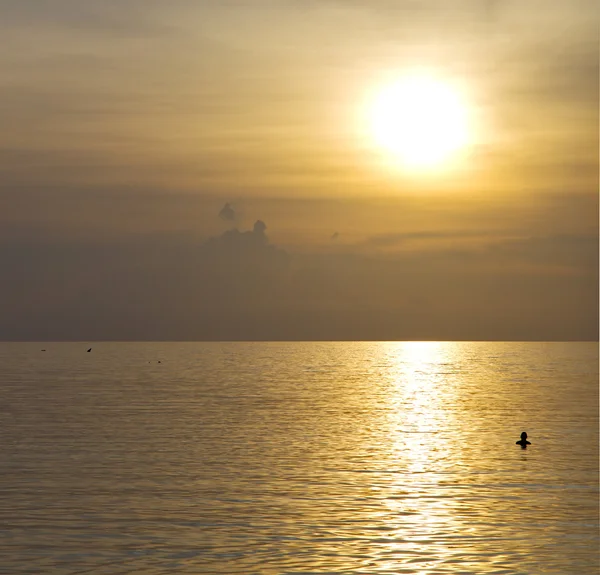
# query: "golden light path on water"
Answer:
x=417 y=422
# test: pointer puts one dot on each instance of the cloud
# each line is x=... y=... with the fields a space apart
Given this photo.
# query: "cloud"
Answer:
x=136 y=266
x=259 y=229
x=227 y=213
x=238 y=285
x=241 y=242
x=400 y=238
x=577 y=252
x=241 y=267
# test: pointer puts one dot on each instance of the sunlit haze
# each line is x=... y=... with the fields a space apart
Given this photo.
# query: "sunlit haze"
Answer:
x=388 y=170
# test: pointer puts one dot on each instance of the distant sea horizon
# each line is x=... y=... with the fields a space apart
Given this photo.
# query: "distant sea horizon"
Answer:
x=296 y=340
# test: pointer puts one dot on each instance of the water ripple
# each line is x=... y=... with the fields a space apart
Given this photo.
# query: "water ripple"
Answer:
x=299 y=458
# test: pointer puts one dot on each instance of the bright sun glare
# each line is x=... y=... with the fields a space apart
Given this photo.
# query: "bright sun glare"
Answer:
x=421 y=121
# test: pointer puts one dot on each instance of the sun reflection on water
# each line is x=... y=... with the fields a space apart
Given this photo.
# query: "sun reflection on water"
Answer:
x=420 y=508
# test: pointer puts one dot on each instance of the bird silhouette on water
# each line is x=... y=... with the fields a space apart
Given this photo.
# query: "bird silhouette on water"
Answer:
x=523 y=441
x=89 y=350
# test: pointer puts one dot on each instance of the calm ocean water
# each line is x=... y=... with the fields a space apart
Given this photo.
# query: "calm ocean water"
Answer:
x=276 y=458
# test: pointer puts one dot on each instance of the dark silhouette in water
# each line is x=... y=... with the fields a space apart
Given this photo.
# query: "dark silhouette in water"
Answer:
x=523 y=441
x=89 y=350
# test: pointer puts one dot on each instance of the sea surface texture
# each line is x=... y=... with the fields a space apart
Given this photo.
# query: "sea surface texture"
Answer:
x=276 y=458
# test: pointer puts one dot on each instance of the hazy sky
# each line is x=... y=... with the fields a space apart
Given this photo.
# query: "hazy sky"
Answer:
x=128 y=125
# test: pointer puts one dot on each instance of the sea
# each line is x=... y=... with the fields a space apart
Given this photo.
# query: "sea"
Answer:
x=299 y=458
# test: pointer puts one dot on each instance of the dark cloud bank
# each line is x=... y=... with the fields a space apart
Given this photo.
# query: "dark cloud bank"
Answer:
x=239 y=286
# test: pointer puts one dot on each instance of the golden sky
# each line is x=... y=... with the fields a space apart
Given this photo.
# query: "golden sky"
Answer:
x=192 y=95
x=142 y=118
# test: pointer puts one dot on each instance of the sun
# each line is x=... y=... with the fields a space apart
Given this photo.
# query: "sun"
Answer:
x=421 y=120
